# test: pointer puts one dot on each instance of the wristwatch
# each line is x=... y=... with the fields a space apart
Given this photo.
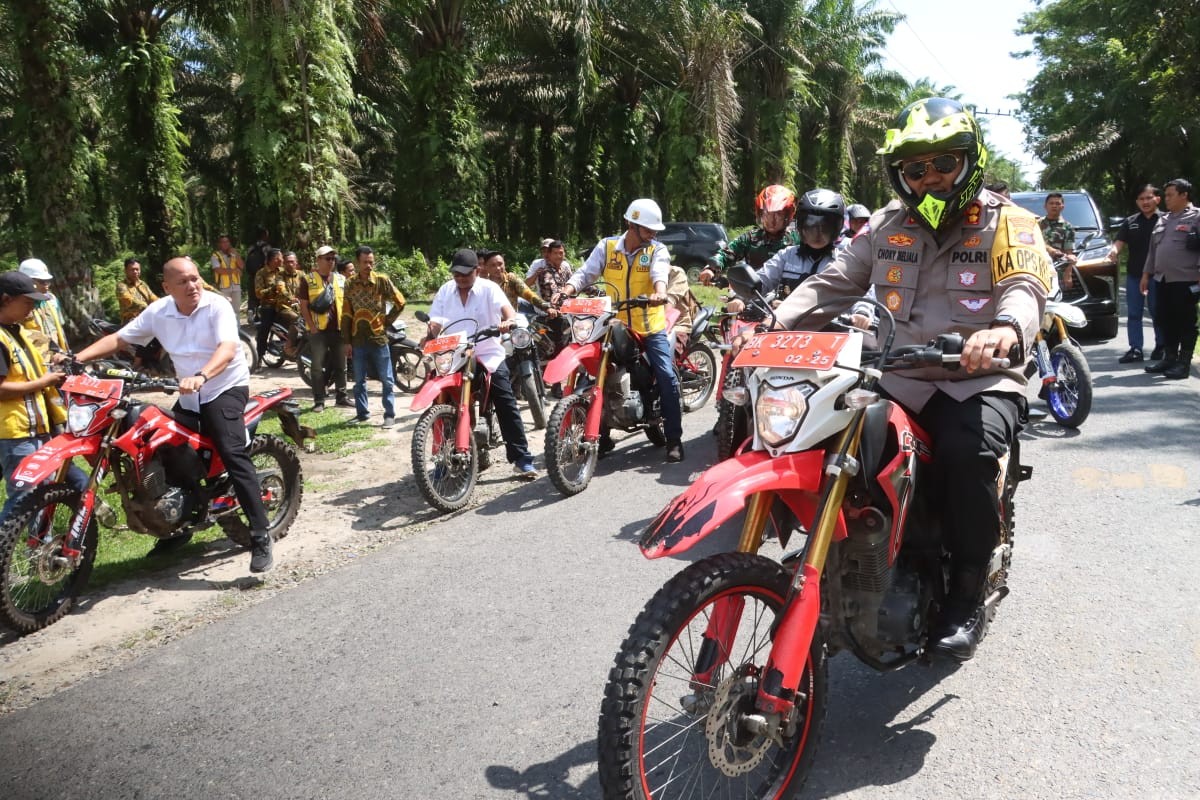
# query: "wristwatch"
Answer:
x=201 y=374
x=1010 y=321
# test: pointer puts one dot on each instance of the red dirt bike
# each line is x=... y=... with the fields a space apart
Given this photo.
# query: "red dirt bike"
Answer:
x=606 y=379
x=453 y=439
x=720 y=688
x=169 y=477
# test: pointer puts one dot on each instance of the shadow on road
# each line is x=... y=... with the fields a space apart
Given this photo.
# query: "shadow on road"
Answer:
x=549 y=779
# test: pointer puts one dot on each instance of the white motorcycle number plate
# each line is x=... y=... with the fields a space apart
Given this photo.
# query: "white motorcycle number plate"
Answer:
x=792 y=350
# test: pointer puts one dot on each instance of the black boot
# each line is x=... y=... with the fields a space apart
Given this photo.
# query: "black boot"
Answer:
x=962 y=622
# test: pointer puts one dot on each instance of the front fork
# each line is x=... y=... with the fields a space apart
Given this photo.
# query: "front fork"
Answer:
x=797 y=626
x=1041 y=353
x=72 y=545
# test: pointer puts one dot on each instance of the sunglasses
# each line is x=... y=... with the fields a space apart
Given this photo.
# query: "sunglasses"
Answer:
x=945 y=164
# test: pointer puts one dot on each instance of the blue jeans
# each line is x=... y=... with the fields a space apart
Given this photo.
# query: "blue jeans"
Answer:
x=378 y=356
x=658 y=353
x=1135 y=303
x=11 y=453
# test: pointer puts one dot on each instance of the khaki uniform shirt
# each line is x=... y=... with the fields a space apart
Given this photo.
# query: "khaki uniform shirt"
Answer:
x=992 y=262
x=1169 y=259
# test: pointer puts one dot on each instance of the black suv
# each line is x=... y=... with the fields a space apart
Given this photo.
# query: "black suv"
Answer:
x=1098 y=296
x=692 y=244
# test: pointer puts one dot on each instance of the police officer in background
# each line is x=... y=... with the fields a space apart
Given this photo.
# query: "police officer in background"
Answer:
x=948 y=256
x=1174 y=261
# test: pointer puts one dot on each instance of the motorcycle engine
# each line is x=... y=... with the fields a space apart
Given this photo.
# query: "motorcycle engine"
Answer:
x=166 y=493
x=883 y=603
x=623 y=406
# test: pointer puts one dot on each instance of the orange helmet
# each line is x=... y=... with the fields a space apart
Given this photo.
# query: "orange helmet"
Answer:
x=775 y=198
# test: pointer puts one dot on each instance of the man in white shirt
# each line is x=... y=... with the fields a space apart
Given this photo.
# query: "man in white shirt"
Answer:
x=466 y=297
x=199 y=330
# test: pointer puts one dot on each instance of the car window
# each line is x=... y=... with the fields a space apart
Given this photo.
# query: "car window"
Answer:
x=1078 y=209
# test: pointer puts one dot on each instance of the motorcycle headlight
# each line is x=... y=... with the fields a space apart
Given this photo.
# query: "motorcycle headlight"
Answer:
x=443 y=362
x=778 y=412
x=582 y=328
x=521 y=338
x=79 y=418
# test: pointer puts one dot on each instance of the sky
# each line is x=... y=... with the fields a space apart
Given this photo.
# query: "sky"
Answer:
x=967 y=46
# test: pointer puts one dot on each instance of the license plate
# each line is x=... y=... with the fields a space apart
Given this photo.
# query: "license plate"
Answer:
x=792 y=350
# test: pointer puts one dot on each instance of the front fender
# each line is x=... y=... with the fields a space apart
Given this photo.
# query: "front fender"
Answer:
x=47 y=460
x=432 y=389
x=722 y=492
x=572 y=357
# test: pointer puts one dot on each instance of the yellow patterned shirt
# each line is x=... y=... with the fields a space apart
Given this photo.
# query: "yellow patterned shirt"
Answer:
x=366 y=313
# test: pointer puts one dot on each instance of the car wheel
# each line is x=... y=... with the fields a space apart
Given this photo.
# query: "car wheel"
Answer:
x=693 y=272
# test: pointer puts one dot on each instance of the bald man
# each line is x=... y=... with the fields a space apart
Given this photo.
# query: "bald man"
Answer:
x=199 y=330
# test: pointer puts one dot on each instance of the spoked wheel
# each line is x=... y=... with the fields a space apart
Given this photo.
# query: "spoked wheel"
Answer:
x=304 y=363
x=272 y=355
x=733 y=422
x=409 y=369
x=38 y=585
x=570 y=459
x=281 y=486
x=445 y=477
x=674 y=720
x=249 y=350
x=697 y=376
x=1070 y=396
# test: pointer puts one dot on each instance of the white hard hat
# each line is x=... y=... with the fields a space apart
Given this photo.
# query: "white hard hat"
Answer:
x=645 y=212
x=36 y=269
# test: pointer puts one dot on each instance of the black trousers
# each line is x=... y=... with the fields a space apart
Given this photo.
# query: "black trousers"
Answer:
x=516 y=446
x=266 y=318
x=1177 y=314
x=969 y=437
x=222 y=420
x=328 y=362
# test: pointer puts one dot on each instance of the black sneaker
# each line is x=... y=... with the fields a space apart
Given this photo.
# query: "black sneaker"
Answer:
x=1133 y=355
x=1158 y=366
x=1156 y=354
x=674 y=452
x=605 y=446
x=344 y=402
x=260 y=552
x=1177 y=371
x=319 y=406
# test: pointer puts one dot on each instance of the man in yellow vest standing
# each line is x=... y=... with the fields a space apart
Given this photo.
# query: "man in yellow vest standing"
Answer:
x=322 y=292
x=635 y=263
x=227 y=268
x=46 y=321
x=30 y=405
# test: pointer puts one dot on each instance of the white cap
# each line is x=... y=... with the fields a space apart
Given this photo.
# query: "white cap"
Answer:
x=324 y=250
x=36 y=269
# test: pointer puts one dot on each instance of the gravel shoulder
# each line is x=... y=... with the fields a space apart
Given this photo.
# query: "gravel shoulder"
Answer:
x=352 y=504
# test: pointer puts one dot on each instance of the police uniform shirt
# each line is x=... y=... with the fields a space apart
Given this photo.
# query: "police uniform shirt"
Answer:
x=1169 y=259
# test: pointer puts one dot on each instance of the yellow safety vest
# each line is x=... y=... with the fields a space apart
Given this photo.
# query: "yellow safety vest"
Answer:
x=632 y=281
x=227 y=262
x=32 y=414
x=316 y=285
x=47 y=318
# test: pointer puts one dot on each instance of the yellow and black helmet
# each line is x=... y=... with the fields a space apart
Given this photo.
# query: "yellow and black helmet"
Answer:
x=933 y=125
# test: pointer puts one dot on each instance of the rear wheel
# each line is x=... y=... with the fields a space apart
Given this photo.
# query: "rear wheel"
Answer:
x=733 y=422
x=38 y=585
x=444 y=477
x=249 y=350
x=675 y=716
x=697 y=376
x=304 y=364
x=1070 y=396
x=272 y=355
x=570 y=459
x=281 y=486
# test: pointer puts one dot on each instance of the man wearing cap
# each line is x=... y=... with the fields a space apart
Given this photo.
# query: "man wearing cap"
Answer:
x=322 y=294
x=370 y=304
x=466 y=297
x=199 y=330
x=47 y=318
x=538 y=263
x=227 y=268
x=635 y=263
x=30 y=405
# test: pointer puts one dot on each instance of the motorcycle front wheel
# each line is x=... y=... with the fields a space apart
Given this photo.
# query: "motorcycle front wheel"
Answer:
x=444 y=477
x=570 y=460
x=697 y=376
x=281 y=485
x=409 y=368
x=537 y=408
x=37 y=586
x=733 y=422
x=673 y=722
x=1070 y=396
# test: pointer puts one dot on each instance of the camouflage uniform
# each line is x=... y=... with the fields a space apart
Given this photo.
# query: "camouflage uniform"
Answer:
x=754 y=247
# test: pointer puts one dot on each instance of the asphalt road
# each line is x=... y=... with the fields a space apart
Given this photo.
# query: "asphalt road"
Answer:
x=468 y=661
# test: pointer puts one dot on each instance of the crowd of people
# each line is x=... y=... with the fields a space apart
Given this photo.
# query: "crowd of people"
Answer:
x=807 y=249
